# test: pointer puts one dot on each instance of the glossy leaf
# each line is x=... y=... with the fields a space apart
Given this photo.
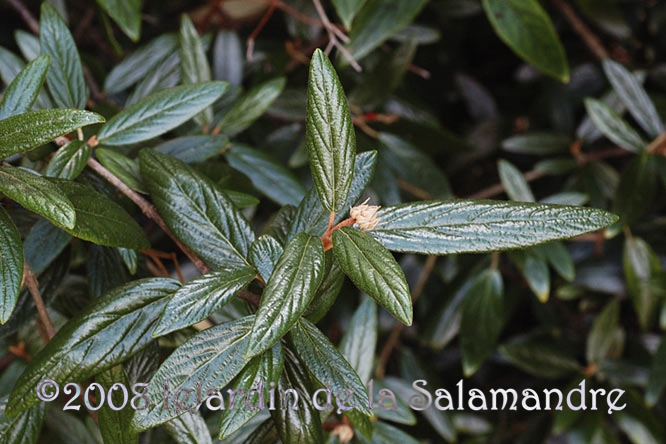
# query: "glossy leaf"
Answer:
x=24 y=427
x=28 y=130
x=126 y=14
x=559 y=258
x=69 y=161
x=462 y=226
x=535 y=271
x=106 y=333
x=24 y=89
x=514 y=182
x=374 y=270
x=228 y=57
x=347 y=10
x=196 y=210
x=641 y=264
x=11 y=266
x=189 y=428
x=359 y=342
x=213 y=358
x=657 y=377
x=614 y=127
x=329 y=134
x=43 y=244
x=525 y=27
x=265 y=252
x=194 y=67
x=201 y=296
x=251 y=106
x=159 y=113
x=65 y=75
x=37 y=194
x=297 y=275
x=539 y=359
x=122 y=166
x=114 y=424
x=540 y=143
x=603 y=335
x=191 y=149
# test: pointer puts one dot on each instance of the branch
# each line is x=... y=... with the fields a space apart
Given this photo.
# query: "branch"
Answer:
x=335 y=36
x=591 y=40
x=30 y=281
x=26 y=15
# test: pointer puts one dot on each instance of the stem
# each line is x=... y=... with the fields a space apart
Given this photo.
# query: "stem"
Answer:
x=30 y=281
x=591 y=40
x=26 y=15
x=327 y=237
x=335 y=35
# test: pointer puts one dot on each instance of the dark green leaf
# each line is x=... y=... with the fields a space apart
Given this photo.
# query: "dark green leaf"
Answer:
x=539 y=143
x=327 y=292
x=559 y=258
x=24 y=89
x=265 y=252
x=69 y=160
x=614 y=127
x=657 y=376
x=194 y=67
x=65 y=75
x=251 y=106
x=28 y=130
x=603 y=335
x=359 y=342
x=228 y=57
x=374 y=270
x=122 y=166
x=100 y=220
x=192 y=149
x=11 y=265
x=525 y=27
x=514 y=182
x=108 y=332
x=329 y=134
x=201 y=296
x=196 y=211
x=126 y=14
x=159 y=113
x=43 y=244
x=189 y=428
x=403 y=390
x=535 y=271
x=24 y=428
x=266 y=174
x=297 y=275
x=539 y=358
x=105 y=270
x=130 y=258
x=457 y=226
x=387 y=434
x=640 y=264
x=347 y=10
x=37 y=194
x=212 y=358
x=114 y=425
x=482 y=319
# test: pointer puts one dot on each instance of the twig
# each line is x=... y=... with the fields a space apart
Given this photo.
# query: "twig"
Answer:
x=250 y=40
x=591 y=40
x=335 y=36
x=30 y=281
x=26 y=15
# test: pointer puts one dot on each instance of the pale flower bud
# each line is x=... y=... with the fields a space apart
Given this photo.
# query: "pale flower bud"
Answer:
x=365 y=215
x=344 y=432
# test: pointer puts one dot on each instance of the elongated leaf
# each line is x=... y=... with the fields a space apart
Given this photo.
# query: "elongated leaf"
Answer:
x=69 y=160
x=457 y=226
x=603 y=334
x=28 y=130
x=212 y=358
x=23 y=428
x=37 y=194
x=359 y=342
x=200 y=297
x=189 y=428
x=114 y=423
x=108 y=332
x=514 y=182
x=159 y=113
x=539 y=359
x=266 y=174
x=191 y=149
x=634 y=97
x=126 y=14
x=196 y=211
x=265 y=252
x=328 y=366
x=122 y=166
x=251 y=106
x=297 y=275
x=24 y=89
x=559 y=258
x=386 y=433
x=614 y=127
x=347 y=10
x=11 y=265
x=537 y=143
x=378 y=21
x=65 y=75
x=43 y=244
x=657 y=376
x=641 y=264
x=228 y=57
x=374 y=270
x=257 y=376
x=329 y=134
x=482 y=319
x=194 y=67
x=28 y=44
x=327 y=292
x=100 y=220
x=525 y=27
x=535 y=271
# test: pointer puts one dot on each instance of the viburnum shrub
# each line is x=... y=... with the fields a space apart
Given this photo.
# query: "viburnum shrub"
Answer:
x=102 y=189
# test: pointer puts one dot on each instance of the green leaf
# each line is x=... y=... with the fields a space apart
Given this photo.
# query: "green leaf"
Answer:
x=201 y=296
x=108 y=332
x=534 y=269
x=539 y=358
x=641 y=263
x=384 y=433
x=196 y=210
x=613 y=126
x=69 y=161
x=192 y=149
x=251 y=106
x=374 y=270
x=28 y=44
x=347 y=10
x=257 y=376
x=466 y=226
x=514 y=182
x=266 y=174
x=228 y=57
x=377 y=22
x=194 y=67
x=329 y=134
x=539 y=143
x=559 y=258
x=212 y=358
x=126 y=14
x=24 y=89
x=189 y=428
x=328 y=366
x=158 y=113
x=526 y=28
x=359 y=342
x=100 y=220
x=482 y=319
x=43 y=244
x=11 y=265
x=37 y=194
x=297 y=275
x=114 y=425
x=657 y=377
x=122 y=166
x=25 y=427
x=327 y=292
x=634 y=97
x=29 y=130
x=65 y=75
x=265 y=252
x=604 y=333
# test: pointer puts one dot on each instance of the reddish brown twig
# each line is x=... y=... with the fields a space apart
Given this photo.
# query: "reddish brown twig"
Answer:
x=30 y=281
x=589 y=38
x=26 y=15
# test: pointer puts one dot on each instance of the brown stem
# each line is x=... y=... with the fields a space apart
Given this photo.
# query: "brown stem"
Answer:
x=26 y=15
x=250 y=40
x=30 y=281
x=327 y=237
x=591 y=40
x=335 y=36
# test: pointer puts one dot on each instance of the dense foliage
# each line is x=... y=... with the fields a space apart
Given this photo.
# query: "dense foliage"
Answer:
x=207 y=205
